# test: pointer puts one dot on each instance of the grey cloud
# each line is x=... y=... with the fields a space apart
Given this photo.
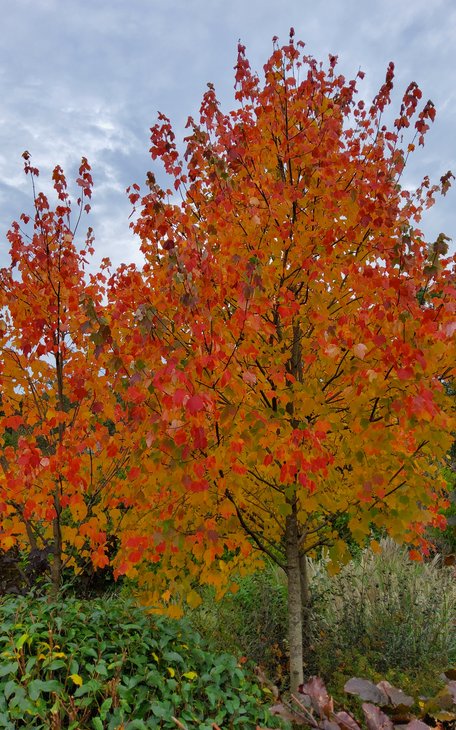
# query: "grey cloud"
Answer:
x=87 y=78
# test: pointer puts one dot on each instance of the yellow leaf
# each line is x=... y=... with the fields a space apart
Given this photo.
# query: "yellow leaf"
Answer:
x=155 y=656
x=79 y=542
x=7 y=542
x=77 y=679
x=190 y=675
x=171 y=671
x=21 y=641
x=174 y=611
x=193 y=599
x=332 y=568
x=375 y=546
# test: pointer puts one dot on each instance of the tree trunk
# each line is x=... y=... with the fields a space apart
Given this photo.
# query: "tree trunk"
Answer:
x=56 y=565
x=306 y=601
x=294 y=602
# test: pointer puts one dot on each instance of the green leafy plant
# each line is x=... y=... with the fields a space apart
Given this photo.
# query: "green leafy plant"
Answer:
x=106 y=664
x=251 y=621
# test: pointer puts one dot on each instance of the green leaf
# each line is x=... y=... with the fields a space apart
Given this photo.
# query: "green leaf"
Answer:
x=10 y=668
x=21 y=641
x=91 y=686
x=173 y=656
x=105 y=707
x=37 y=686
x=284 y=508
x=101 y=669
x=9 y=688
x=5 y=724
x=159 y=711
x=56 y=664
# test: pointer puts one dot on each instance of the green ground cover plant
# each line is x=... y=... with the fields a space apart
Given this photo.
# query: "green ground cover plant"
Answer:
x=107 y=664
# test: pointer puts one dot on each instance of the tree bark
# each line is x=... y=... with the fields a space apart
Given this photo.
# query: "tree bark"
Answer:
x=295 y=637
x=57 y=564
x=306 y=601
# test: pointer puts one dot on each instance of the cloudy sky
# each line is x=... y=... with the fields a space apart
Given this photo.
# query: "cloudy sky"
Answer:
x=87 y=77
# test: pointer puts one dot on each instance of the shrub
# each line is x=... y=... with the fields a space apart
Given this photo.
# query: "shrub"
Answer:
x=252 y=621
x=393 y=613
x=108 y=664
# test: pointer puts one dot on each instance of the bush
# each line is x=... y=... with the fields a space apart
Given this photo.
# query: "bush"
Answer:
x=252 y=621
x=107 y=664
x=385 y=612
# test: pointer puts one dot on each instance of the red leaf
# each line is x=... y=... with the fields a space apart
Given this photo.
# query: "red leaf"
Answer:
x=415 y=555
x=13 y=422
x=375 y=718
x=226 y=377
x=194 y=404
x=405 y=373
x=180 y=396
x=134 y=473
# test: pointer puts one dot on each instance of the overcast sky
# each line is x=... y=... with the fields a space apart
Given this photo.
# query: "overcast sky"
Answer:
x=87 y=77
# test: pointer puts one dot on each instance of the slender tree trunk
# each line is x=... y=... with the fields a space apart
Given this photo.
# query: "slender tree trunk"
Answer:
x=306 y=601
x=56 y=565
x=294 y=602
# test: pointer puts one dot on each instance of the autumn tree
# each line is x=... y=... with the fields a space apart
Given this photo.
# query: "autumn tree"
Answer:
x=64 y=459
x=288 y=339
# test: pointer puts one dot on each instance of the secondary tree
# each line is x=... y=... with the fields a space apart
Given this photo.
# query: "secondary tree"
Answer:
x=63 y=463
x=289 y=337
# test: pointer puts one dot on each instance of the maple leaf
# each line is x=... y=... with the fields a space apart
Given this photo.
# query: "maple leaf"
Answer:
x=195 y=404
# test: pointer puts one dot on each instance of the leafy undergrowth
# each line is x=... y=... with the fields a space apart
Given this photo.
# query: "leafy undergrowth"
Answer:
x=251 y=622
x=383 y=617
x=107 y=664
